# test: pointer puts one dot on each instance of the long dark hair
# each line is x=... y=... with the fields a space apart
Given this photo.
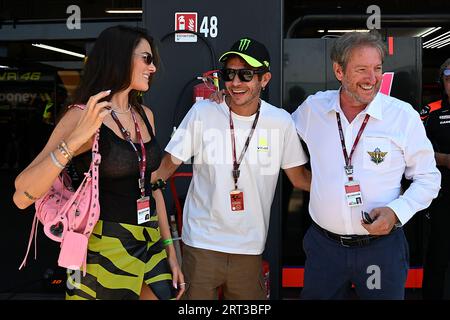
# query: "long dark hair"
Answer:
x=109 y=64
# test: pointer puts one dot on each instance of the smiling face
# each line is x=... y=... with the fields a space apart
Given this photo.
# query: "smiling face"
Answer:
x=244 y=95
x=141 y=71
x=361 y=78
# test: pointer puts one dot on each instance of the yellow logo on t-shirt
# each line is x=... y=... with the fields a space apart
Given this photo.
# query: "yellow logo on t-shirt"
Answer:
x=263 y=145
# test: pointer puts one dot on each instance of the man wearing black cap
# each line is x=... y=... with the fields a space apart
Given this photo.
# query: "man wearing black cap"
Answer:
x=238 y=146
x=436 y=117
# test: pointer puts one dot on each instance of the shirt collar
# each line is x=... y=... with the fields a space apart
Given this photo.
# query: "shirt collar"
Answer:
x=374 y=109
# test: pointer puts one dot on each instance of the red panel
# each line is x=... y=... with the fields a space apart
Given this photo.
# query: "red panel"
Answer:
x=293 y=277
x=386 y=83
x=391 y=45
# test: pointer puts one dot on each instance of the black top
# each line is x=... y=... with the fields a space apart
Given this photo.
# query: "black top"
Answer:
x=119 y=174
x=437 y=125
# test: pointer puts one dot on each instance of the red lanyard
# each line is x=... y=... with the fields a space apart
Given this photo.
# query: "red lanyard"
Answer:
x=142 y=160
x=348 y=159
x=236 y=164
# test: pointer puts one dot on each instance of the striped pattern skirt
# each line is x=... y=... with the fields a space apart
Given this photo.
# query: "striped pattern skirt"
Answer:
x=121 y=257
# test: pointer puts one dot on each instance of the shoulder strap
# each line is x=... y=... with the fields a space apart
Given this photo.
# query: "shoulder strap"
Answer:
x=147 y=123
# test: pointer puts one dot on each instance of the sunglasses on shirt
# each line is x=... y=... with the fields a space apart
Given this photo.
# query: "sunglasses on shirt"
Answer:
x=366 y=217
x=245 y=75
x=148 y=58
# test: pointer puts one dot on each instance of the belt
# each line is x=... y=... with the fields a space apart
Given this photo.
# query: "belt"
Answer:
x=350 y=240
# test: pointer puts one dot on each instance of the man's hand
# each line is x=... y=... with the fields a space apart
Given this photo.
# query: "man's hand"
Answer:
x=384 y=220
x=218 y=96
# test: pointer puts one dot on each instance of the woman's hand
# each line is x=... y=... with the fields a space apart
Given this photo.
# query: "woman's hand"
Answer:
x=218 y=96
x=177 y=275
x=90 y=121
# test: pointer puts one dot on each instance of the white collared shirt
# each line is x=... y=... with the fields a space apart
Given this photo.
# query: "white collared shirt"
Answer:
x=394 y=129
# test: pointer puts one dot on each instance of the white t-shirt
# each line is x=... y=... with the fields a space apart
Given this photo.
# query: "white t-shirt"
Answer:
x=208 y=221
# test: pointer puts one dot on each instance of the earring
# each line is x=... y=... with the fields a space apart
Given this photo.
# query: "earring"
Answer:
x=263 y=88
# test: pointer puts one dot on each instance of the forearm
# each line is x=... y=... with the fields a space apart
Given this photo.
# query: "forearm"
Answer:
x=300 y=177
x=169 y=165
x=162 y=214
x=37 y=178
x=442 y=159
x=305 y=180
x=163 y=223
x=417 y=197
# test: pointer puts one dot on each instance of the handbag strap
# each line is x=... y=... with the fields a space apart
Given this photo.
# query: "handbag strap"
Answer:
x=93 y=214
x=92 y=218
x=94 y=210
x=90 y=175
x=33 y=234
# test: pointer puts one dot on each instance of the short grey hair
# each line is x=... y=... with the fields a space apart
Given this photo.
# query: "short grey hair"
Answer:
x=342 y=47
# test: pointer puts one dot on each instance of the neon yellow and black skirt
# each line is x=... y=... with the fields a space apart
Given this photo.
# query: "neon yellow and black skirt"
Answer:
x=121 y=257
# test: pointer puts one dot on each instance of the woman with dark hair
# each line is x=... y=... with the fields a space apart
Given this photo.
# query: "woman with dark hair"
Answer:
x=130 y=254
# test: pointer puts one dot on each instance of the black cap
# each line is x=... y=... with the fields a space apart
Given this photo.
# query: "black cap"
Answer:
x=252 y=51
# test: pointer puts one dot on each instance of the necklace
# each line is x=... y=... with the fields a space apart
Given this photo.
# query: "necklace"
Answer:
x=122 y=112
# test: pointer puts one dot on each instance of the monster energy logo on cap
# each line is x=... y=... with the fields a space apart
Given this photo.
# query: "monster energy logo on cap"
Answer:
x=252 y=51
x=243 y=44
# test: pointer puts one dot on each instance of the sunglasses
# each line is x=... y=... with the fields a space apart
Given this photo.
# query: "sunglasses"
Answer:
x=366 y=217
x=244 y=75
x=148 y=58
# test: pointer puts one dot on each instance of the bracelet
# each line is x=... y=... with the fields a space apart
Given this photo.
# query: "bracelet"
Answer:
x=56 y=161
x=65 y=150
x=29 y=196
x=167 y=242
x=66 y=147
x=159 y=184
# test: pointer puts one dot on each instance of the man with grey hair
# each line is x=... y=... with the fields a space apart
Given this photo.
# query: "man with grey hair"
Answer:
x=436 y=117
x=361 y=142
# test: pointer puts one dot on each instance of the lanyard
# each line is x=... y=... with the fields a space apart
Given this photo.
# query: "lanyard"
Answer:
x=237 y=163
x=348 y=159
x=142 y=160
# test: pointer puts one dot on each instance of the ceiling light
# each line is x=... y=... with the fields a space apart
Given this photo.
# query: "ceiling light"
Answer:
x=349 y=30
x=428 y=32
x=124 y=10
x=4 y=67
x=436 y=38
x=446 y=44
x=437 y=44
x=44 y=46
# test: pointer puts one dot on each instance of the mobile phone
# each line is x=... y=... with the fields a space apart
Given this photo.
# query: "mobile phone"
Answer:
x=366 y=217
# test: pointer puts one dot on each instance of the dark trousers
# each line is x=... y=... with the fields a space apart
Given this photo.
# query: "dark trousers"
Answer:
x=377 y=270
x=438 y=251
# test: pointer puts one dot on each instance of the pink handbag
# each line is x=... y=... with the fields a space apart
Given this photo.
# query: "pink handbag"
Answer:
x=69 y=216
